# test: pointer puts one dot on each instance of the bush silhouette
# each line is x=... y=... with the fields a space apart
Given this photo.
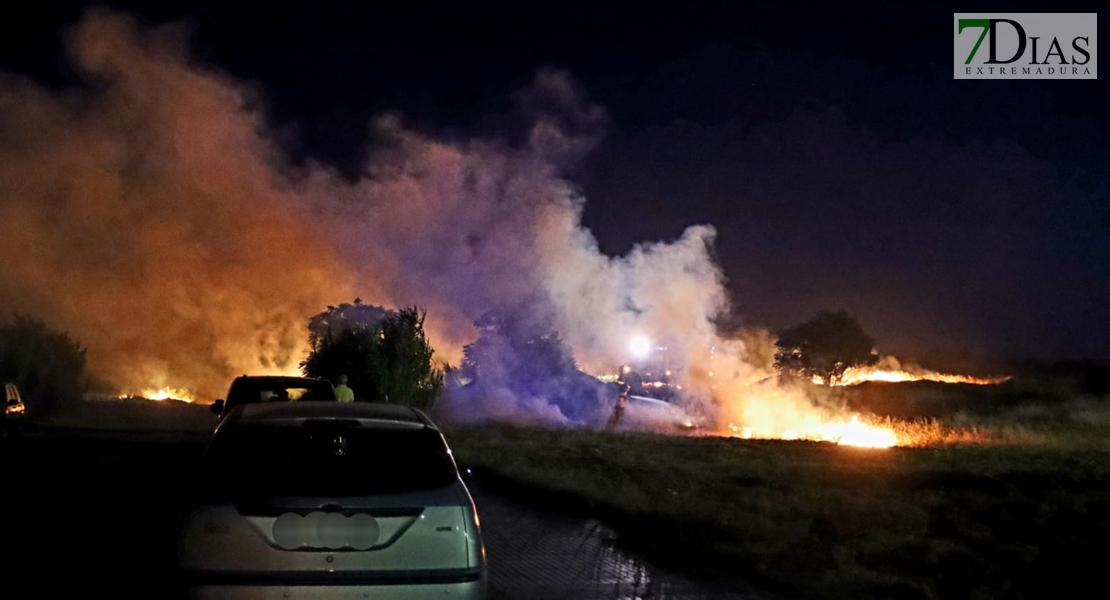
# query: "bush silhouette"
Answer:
x=824 y=347
x=387 y=361
x=48 y=366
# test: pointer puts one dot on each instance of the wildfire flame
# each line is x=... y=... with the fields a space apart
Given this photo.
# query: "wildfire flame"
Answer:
x=858 y=375
x=166 y=393
x=852 y=432
x=778 y=414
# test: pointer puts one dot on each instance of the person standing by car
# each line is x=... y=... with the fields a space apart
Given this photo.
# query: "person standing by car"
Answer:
x=342 y=392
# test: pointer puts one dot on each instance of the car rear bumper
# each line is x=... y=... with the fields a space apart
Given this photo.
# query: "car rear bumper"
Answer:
x=469 y=591
x=454 y=584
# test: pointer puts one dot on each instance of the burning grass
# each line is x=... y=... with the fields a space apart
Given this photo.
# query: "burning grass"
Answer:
x=888 y=432
x=987 y=507
x=990 y=491
x=162 y=394
x=858 y=375
x=926 y=432
x=845 y=432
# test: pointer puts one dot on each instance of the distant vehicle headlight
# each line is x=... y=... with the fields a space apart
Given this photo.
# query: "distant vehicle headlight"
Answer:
x=640 y=346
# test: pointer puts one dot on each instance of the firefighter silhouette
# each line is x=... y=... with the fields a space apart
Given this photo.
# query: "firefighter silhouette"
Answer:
x=630 y=383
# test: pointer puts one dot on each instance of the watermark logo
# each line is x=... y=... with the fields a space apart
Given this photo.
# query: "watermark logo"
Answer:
x=1025 y=46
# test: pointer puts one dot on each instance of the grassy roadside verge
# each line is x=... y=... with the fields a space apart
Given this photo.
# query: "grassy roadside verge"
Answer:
x=825 y=521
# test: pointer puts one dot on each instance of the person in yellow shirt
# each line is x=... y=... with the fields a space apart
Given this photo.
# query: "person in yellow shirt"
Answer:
x=342 y=392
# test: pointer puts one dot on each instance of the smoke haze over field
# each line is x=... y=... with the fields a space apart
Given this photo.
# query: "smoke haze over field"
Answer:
x=151 y=214
x=142 y=215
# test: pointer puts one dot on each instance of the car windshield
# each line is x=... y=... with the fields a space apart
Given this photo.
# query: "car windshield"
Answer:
x=327 y=461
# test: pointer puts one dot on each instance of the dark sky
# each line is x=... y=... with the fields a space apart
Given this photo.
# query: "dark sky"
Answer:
x=840 y=162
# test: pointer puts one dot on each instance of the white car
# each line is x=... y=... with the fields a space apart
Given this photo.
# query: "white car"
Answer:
x=326 y=500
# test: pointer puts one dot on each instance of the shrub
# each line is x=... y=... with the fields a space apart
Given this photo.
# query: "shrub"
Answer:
x=388 y=361
x=47 y=365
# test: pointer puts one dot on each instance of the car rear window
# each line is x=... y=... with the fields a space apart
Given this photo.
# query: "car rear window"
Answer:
x=255 y=391
x=327 y=461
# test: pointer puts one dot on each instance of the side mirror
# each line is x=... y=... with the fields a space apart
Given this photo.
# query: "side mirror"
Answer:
x=217 y=407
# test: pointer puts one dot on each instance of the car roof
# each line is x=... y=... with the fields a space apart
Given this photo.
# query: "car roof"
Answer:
x=357 y=414
x=286 y=380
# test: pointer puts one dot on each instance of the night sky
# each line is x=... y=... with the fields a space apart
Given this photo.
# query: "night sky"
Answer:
x=839 y=161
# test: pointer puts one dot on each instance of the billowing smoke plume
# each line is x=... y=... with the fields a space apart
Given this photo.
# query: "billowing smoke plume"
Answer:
x=150 y=214
x=143 y=214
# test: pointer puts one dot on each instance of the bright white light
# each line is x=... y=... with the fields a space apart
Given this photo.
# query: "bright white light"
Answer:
x=640 y=346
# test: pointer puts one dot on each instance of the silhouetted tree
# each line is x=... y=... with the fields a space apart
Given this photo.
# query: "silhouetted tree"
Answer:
x=351 y=352
x=47 y=365
x=405 y=361
x=337 y=319
x=387 y=361
x=824 y=347
x=509 y=347
x=518 y=353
